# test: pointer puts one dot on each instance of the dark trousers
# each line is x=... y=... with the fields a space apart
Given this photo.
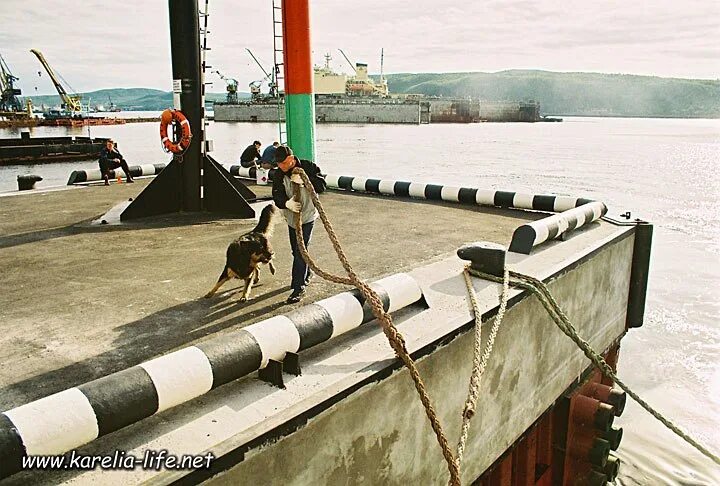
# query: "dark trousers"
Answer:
x=107 y=166
x=300 y=270
x=248 y=163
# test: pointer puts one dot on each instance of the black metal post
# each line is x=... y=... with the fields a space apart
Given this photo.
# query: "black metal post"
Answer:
x=178 y=187
x=185 y=52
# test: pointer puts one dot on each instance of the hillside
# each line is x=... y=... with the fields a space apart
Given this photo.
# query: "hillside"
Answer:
x=583 y=94
x=130 y=99
x=588 y=94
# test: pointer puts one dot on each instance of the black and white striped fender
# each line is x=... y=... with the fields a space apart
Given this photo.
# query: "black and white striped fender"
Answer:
x=71 y=418
x=580 y=211
x=91 y=175
x=247 y=172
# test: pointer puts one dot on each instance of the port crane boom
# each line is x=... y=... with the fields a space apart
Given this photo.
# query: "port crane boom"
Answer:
x=232 y=87
x=255 y=85
x=69 y=102
x=348 y=60
x=8 y=93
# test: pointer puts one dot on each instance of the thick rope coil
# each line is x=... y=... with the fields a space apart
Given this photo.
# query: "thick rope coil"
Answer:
x=561 y=320
x=393 y=335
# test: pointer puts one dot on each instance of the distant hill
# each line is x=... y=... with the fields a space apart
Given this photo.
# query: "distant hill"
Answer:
x=585 y=94
x=130 y=99
x=582 y=94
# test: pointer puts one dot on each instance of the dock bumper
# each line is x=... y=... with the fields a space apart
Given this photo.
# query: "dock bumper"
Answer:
x=573 y=212
x=69 y=419
x=92 y=175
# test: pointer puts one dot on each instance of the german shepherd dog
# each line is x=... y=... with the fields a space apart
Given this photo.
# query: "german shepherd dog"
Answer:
x=245 y=254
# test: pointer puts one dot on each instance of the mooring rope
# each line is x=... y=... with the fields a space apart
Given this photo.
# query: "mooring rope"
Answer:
x=393 y=335
x=479 y=361
x=561 y=320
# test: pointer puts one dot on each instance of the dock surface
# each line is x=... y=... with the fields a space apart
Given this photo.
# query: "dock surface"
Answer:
x=83 y=301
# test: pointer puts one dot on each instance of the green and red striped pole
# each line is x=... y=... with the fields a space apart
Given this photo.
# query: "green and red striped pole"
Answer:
x=299 y=99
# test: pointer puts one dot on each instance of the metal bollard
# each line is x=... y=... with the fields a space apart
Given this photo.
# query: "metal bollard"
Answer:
x=27 y=182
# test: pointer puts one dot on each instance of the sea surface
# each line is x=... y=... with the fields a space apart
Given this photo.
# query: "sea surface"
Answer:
x=662 y=170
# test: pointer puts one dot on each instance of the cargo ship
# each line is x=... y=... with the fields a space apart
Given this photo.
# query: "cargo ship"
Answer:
x=340 y=98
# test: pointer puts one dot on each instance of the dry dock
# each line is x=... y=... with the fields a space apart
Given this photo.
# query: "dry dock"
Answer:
x=82 y=301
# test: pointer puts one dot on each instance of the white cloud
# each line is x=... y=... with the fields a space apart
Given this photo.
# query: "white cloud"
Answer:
x=96 y=44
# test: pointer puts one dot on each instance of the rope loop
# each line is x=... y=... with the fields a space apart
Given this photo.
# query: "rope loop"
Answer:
x=541 y=291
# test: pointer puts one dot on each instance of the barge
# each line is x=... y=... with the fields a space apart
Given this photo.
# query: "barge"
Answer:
x=105 y=360
x=34 y=150
x=350 y=390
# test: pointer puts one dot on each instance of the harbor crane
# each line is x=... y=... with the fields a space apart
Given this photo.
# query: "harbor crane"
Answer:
x=231 y=87
x=9 y=101
x=69 y=102
x=255 y=85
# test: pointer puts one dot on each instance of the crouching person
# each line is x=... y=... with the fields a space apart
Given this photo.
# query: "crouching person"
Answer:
x=111 y=159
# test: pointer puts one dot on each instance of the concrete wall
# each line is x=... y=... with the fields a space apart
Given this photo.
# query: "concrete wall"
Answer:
x=325 y=112
x=380 y=435
x=248 y=113
x=368 y=113
x=509 y=111
x=378 y=112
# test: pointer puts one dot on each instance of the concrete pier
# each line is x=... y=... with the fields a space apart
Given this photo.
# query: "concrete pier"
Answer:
x=83 y=301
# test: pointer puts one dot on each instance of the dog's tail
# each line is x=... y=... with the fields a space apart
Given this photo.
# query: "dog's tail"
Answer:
x=265 y=224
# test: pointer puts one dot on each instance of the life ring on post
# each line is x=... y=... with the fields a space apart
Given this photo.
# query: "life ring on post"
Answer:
x=166 y=118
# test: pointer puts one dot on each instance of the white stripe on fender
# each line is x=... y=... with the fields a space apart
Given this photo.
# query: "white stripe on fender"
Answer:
x=358 y=183
x=485 y=197
x=184 y=122
x=563 y=225
x=387 y=187
x=417 y=190
x=276 y=336
x=401 y=289
x=449 y=193
x=542 y=231
x=598 y=208
x=55 y=424
x=147 y=169
x=332 y=180
x=180 y=376
x=93 y=174
x=581 y=219
x=523 y=201
x=164 y=139
x=563 y=203
x=345 y=311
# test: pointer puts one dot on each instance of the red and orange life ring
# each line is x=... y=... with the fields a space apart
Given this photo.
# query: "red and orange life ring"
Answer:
x=166 y=118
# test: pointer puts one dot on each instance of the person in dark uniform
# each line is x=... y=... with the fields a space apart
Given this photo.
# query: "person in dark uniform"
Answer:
x=111 y=159
x=250 y=155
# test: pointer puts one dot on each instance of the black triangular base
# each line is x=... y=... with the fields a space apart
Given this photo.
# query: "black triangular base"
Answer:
x=211 y=164
x=163 y=195
x=223 y=193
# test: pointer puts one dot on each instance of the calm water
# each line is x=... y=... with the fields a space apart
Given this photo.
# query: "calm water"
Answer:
x=665 y=171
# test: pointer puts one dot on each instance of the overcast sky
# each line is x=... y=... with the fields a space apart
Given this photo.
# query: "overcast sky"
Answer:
x=100 y=44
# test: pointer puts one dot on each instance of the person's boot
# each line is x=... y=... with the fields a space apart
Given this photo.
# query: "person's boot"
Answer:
x=129 y=180
x=105 y=178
